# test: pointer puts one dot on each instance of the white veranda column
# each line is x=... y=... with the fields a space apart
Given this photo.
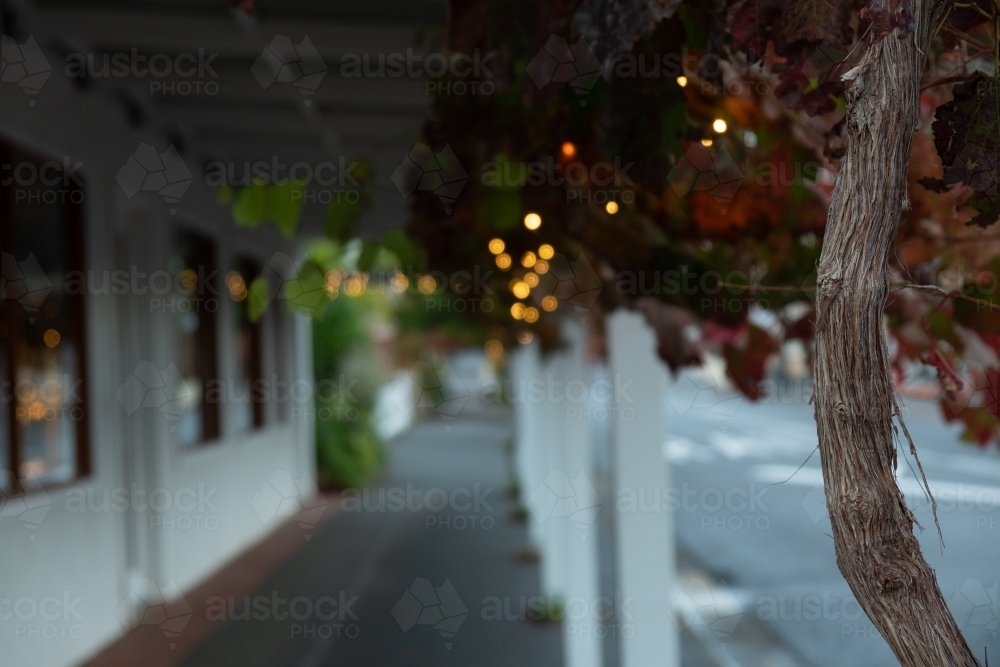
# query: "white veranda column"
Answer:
x=644 y=538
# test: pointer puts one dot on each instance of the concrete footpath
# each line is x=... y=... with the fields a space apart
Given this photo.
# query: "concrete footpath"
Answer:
x=421 y=569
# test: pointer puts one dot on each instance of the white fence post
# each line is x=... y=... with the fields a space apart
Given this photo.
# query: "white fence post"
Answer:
x=645 y=539
x=525 y=369
x=581 y=631
x=548 y=495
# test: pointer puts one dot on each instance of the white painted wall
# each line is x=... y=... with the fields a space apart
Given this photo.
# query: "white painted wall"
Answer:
x=93 y=558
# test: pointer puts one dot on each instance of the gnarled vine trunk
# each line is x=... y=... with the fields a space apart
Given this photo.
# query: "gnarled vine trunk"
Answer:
x=855 y=399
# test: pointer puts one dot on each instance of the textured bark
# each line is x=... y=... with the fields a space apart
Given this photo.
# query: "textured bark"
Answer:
x=855 y=399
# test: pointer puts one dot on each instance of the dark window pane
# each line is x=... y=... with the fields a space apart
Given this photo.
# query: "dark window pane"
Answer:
x=194 y=308
x=43 y=327
x=248 y=373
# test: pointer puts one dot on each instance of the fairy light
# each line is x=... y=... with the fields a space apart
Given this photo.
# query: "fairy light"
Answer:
x=528 y=259
x=426 y=285
x=517 y=311
x=493 y=349
x=569 y=149
x=530 y=314
x=355 y=286
x=541 y=267
x=521 y=290
x=682 y=81
x=550 y=303
x=532 y=221
x=531 y=278
x=497 y=246
x=399 y=282
x=706 y=142
x=545 y=251
x=611 y=207
x=525 y=337
x=503 y=261
x=719 y=125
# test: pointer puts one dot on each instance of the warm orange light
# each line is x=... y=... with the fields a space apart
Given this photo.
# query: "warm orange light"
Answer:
x=497 y=246
x=530 y=314
x=706 y=142
x=611 y=207
x=503 y=261
x=355 y=286
x=517 y=311
x=399 y=282
x=51 y=337
x=188 y=279
x=541 y=267
x=531 y=279
x=545 y=251
x=521 y=290
x=332 y=283
x=568 y=149
x=493 y=348
x=550 y=303
x=426 y=285
x=532 y=221
x=682 y=81
x=528 y=259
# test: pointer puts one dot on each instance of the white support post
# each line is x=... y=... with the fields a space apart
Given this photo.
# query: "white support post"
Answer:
x=645 y=543
x=581 y=631
x=550 y=505
x=526 y=370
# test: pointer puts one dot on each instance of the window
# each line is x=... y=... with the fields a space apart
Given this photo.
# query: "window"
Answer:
x=248 y=391
x=43 y=428
x=194 y=310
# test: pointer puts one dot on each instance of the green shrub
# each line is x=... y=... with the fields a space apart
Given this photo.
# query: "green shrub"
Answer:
x=348 y=449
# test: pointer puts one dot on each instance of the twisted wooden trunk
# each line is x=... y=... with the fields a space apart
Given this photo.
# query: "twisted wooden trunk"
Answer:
x=855 y=399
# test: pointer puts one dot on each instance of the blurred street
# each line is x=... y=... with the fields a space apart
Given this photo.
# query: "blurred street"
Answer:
x=758 y=523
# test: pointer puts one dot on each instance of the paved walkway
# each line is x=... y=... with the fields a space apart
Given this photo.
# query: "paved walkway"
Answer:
x=385 y=584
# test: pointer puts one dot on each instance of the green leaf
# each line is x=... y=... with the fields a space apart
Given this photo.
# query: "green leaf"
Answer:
x=409 y=255
x=250 y=207
x=259 y=298
x=285 y=206
x=369 y=252
x=308 y=291
x=280 y=204
x=324 y=253
x=341 y=219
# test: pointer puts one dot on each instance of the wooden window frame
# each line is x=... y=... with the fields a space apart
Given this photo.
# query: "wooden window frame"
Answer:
x=76 y=242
